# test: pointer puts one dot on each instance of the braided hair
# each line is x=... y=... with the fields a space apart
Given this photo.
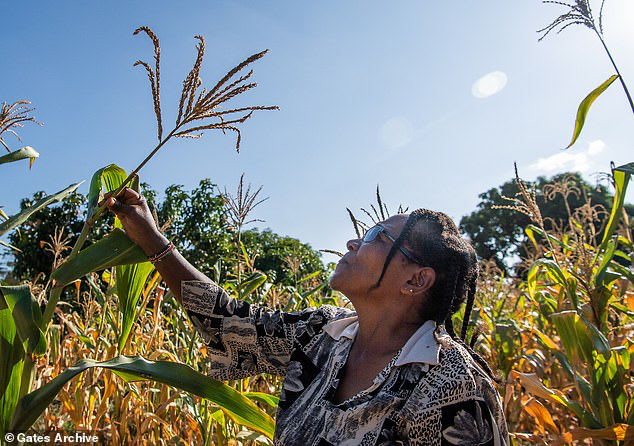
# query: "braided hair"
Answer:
x=436 y=242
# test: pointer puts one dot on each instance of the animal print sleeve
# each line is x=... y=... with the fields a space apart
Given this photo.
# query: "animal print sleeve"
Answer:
x=245 y=339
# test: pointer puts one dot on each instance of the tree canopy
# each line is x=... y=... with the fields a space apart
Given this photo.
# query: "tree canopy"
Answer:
x=195 y=221
x=499 y=233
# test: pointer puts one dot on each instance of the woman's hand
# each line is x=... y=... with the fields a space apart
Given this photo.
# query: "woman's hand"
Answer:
x=137 y=220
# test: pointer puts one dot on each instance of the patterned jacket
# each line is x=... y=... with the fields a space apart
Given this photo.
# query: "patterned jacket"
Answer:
x=431 y=393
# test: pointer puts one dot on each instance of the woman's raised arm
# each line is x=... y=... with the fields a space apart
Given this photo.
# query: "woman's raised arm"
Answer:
x=139 y=225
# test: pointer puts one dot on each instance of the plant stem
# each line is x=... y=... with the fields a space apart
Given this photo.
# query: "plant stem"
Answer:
x=90 y=221
x=53 y=298
x=627 y=92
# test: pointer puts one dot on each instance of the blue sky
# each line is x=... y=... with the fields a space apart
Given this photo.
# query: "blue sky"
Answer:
x=370 y=93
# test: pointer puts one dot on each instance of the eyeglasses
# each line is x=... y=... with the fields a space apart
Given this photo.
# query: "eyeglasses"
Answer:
x=374 y=232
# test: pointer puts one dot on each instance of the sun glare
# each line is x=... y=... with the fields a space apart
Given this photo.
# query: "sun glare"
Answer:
x=489 y=84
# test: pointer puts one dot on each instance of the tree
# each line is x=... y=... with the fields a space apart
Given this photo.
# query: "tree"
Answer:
x=286 y=258
x=195 y=221
x=50 y=230
x=499 y=233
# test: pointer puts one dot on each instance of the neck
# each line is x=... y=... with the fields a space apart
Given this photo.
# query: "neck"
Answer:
x=384 y=327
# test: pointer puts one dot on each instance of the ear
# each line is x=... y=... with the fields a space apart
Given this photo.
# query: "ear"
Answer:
x=421 y=281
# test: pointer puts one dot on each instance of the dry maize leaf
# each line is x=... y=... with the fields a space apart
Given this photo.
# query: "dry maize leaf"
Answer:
x=535 y=387
x=541 y=415
x=544 y=338
x=614 y=432
x=109 y=388
x=565 y=438
x=77 y=287
x=629 y=299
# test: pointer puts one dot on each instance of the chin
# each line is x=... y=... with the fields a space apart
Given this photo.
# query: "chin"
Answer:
x=339 y=280
x=334 y=282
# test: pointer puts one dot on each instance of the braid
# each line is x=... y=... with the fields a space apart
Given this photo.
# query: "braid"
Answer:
x=437 y=242
x=470 y=299
x=449 y=327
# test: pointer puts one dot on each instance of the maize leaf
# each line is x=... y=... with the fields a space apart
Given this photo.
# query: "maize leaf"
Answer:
x=535 y=387
x=181 y=376
x=580 y=338
x=130 y=280
x=112 y=250
x=621 y=176
x=252 y=283
x=262 y=397
x=20 y=218
x=584 y=107
x=26 y=316
x=541 y=415
x=600 y=274
x=614 y=432
x=11 y=365
x=20 y=154
x=111 y=177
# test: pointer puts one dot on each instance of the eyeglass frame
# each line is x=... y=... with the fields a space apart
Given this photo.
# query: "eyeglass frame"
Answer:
x=381 y=229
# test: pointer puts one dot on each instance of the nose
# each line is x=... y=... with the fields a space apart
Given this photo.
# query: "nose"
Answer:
x=353 y=244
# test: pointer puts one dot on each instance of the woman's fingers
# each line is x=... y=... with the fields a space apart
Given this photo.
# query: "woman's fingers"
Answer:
x=127 y=195
x=116 y=206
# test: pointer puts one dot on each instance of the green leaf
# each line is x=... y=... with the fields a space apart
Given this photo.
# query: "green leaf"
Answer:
x=584 y=107
x=530 y=232
x=114 y=249
x=580 y=338
x=130 y=280
x=26 y=316
x=621 y=179
x=109 y=177
x=20 y=218
x=554 y=272
x=20 y=154
x=262 y=397
x=600 y=272
x=252 y=283
x=180 y=376
x=11 y=365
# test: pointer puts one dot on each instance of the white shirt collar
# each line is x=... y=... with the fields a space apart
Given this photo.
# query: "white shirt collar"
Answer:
x=420 y=347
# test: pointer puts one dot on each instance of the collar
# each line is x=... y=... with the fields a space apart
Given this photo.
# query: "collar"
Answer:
x=420 y=347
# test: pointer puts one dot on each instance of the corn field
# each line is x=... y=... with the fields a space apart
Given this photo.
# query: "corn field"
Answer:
x=130 y=368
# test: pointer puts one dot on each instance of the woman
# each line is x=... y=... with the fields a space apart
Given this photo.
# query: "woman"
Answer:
x=391 y=372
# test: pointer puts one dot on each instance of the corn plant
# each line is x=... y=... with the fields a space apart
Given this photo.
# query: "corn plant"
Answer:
x=580 y=13
x=25 y=327
x=575 y=291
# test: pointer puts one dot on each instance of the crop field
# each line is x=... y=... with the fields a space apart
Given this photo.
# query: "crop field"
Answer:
x=91 y=339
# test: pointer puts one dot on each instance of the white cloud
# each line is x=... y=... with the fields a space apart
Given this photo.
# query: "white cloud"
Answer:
x=596 y=147
x=397 y=132
x=489 y=84
x=567 y=161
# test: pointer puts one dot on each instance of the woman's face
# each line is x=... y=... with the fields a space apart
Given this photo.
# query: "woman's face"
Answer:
x=361 y=267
